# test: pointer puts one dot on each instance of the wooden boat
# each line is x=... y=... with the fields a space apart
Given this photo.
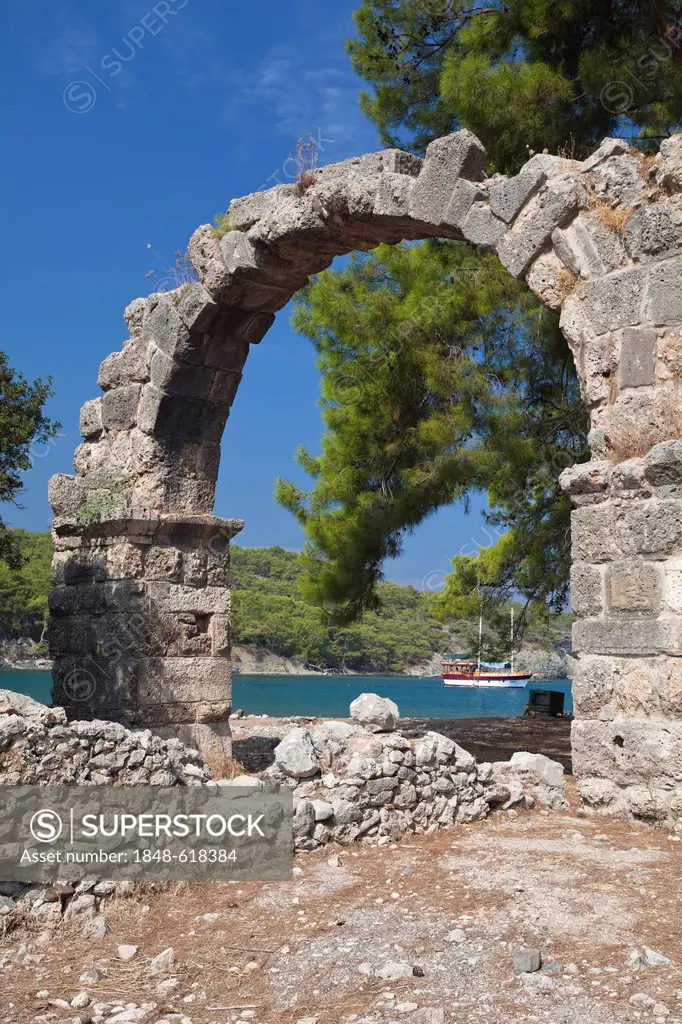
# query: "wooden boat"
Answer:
x=464 y=672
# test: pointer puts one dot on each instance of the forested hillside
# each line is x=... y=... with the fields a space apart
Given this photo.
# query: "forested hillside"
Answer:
x=23 y=591
x=269 y=614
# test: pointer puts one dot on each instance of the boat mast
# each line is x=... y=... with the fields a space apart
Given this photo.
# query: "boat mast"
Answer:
x=512 y=637
x=480 y=631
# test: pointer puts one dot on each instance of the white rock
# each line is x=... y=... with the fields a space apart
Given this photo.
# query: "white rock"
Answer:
x=163 y=961
x=295 y=755
x=127 y=952
x=378 y=714
x=80 y=1001
x=165 y=987
x=394 y=970
x=655 y=958
x=641 y=999
x=322 y=810
x=456 y=935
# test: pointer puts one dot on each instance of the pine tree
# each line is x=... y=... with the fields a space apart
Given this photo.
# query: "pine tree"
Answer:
x=433 y=388
x=23 y=426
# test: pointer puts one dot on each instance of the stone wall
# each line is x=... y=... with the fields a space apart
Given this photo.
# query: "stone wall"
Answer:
x=140 y=624
x=600 y=241
x=366 y=780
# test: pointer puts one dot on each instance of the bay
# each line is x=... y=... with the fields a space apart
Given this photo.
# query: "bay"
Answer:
x=330 y=696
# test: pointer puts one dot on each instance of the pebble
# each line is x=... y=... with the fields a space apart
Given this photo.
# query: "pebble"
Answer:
x=526 y=961
x=641 y=999
x=91 y=977
x=163 y=961
x=654 y=958
x=165 y=987
x=126 y=953
x=80 y=1001
x=456 y=935
x=395 y=969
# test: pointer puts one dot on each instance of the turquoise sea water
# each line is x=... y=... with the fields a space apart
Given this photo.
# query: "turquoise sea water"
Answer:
x=329 y=696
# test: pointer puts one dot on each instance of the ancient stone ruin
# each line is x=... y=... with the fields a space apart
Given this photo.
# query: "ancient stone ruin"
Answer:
x=140 y=608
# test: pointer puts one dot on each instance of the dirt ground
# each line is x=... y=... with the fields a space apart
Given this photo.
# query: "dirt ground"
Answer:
x=449 y=909
x=488 y=739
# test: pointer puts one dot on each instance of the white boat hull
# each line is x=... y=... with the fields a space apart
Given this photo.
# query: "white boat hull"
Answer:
x=491 y=681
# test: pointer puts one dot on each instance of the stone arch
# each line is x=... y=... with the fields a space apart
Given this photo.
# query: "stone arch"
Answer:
x=135 y=538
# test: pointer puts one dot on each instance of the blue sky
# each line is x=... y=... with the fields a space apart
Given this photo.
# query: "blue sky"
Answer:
x=128 y=123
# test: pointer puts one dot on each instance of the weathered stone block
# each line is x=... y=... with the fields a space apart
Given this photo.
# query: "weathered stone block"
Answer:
x=95 y=688
x=509 y=195
x=196 y=308
x=633 y=587
x=163 y=563
x=654 y=232
x=593 y=683
x=586 y=477
x=481 y=227
x=615 y=301
x=463 y=196
x=662 y=466
x=124 y=561
x=547 y=278
x=588 y=248
x=628 y=751
x=129 y=366
x=392 y=198
x=218 y=565
x=586 y=589
x=627 y=686
x=192 y=680
x=651 y=528
x=194 y=569
x=119 y=407
x=191 y=721
x=629 y=476
x=637 y=358
x=672 y=584
x=671 y=165
x=65 y=493
x=178 y=378
x=593 y=534
x=162 y=323
x=71 y=634
x=91 y=418
x=204 y=253
x=608 y=148
x=628 y=636
x=220 y=636
x=554 y=206
x=207 y=600
x=459 y=155
x=664 y=297
x=223 y=389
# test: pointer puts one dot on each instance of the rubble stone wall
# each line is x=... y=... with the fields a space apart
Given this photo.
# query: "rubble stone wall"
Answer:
x=600 y=241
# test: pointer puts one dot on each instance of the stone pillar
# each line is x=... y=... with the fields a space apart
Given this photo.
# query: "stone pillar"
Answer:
x=139 y=624
x=626 y=582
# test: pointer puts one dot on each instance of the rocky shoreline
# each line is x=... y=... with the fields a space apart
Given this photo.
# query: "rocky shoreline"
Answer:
x=25 y=655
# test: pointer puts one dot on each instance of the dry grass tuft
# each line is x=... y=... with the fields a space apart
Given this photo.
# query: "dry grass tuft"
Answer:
x=304 y=182
x=223 y=767
x=566 y=282
x=610 y=217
